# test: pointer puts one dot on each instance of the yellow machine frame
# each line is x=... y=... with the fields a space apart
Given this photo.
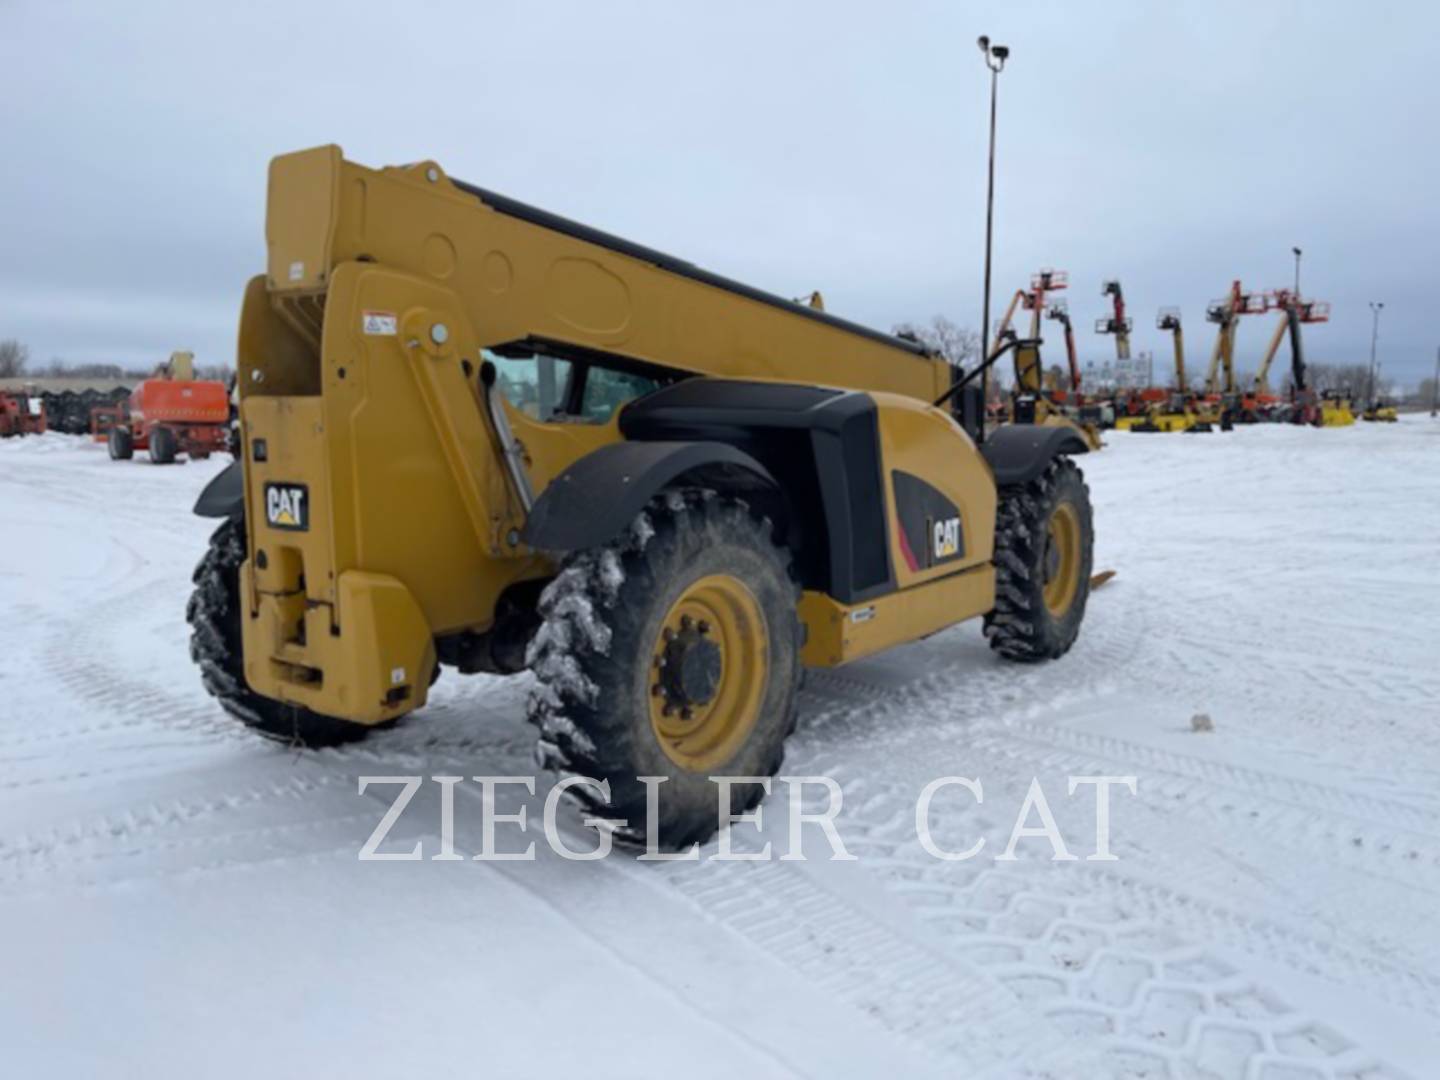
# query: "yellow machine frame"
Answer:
x=358 y=357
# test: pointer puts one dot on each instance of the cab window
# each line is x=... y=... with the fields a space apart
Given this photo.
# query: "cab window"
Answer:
x=606 y=390
x=582 y=388
x=536 y=384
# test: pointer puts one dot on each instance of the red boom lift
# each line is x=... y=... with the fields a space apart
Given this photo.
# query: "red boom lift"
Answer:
x=170 y=414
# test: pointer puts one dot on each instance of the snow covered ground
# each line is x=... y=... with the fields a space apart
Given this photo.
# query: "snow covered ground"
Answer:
x=179 y=899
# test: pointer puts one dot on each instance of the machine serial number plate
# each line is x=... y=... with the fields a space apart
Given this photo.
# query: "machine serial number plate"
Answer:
x=287 y=506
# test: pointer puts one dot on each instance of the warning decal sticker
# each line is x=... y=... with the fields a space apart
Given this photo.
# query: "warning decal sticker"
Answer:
x=378 y=322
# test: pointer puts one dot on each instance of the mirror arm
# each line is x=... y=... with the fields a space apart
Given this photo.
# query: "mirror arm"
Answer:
x=961 y=383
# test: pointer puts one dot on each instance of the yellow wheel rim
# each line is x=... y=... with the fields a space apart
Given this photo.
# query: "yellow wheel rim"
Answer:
x=1061 y=563
x=709 y=669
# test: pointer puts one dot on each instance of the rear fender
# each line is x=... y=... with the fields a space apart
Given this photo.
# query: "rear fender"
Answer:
x=224 y=496
x=1018 y=453
x=599 y=495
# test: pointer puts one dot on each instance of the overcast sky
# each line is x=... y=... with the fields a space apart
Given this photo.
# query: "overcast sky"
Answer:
x=836 y=145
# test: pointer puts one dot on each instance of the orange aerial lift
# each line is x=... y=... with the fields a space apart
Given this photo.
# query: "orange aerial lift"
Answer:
x=1029 y=376
x=1225 y=314
x=1059 y=311
x=1117 y=322
x=1032 y=300
x=1085 y=409
x=1131 y=404
x=1178 y=412
x=169 y=414
x=1294 y=312
x=1168 y=319
x=1033 y=402
x=1306 y=406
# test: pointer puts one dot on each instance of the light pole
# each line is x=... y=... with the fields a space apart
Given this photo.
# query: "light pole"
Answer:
x=995 y=57
x=1435 y=387
x=1297 y=252
x=1375 y=308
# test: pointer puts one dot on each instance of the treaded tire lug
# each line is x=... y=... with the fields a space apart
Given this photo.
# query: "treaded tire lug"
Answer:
x=213 y=613
x=1021 y=627
x=601 y=614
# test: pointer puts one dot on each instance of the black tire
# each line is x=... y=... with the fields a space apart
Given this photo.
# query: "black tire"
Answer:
x=122 y=446
x=214 y=618
x=1023 y=627
x=163 y=446
x=593 y=659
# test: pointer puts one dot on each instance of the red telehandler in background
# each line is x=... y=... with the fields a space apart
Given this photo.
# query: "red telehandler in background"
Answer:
x=21 y=413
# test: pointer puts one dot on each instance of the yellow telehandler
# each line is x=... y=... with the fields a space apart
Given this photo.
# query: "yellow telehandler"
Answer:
x=479 y=435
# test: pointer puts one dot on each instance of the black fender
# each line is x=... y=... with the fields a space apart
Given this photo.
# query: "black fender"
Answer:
x=592 y=501
x=224 y=496
x=822 y=446
x=1018 y=453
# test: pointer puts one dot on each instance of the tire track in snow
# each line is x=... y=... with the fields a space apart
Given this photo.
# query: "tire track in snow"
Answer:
x=947 y=1009
x=947 y=1006
x=585 y=933
x=1284 y=808
x=147 y=827
x=75 y=655
x=1095 y=952
x=1301 y=810
x=1351 y=832
x=1208 y=1040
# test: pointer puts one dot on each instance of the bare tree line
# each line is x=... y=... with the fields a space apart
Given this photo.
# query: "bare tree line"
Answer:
x=957 y=344
x=13 y=358
x=15 y=362
x=1354 y=378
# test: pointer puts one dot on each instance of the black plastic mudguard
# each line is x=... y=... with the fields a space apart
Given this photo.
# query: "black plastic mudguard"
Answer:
x=224 y=496
x=822 y=446
x=598 y=496
x=1018 y=453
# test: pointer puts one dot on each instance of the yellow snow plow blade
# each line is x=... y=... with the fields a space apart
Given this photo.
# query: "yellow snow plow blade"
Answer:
x=1336 y=415
x=1164 y=422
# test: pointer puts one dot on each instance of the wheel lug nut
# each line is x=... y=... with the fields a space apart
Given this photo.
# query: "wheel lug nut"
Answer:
x=704 y=627
x=657 y=690
x=668 y=635
x=686 y=713
x=685 y=622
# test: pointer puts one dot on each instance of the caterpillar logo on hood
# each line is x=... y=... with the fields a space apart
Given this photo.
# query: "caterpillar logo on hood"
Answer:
x=947 y=538
x=930 y=526
x=287 y=506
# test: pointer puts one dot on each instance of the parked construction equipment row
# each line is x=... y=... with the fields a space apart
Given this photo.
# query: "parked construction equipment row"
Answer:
x=1221 y=402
